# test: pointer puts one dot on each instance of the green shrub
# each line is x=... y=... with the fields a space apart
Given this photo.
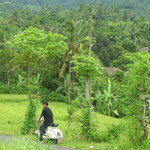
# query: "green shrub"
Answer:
x=29 y=125
x=114 y=132
x=56 y=96
x=125 y=143
x=12 y=89
x=87 y=123
x=145 y=145
x=87 y=120
x=134 y=132
x=44 y=94
x=130 y=137
x=111 y=134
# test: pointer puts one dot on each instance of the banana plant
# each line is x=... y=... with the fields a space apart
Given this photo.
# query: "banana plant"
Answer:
x=109 y=99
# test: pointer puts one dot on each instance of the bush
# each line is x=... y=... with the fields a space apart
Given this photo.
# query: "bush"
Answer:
x=145 y=145
x=29 y=125
x=13 y=89
x=86 y=121
x=55 y=96
x=130 y=137
x=114 y=132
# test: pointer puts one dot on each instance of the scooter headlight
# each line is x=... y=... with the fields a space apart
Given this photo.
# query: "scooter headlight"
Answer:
x=59 y=135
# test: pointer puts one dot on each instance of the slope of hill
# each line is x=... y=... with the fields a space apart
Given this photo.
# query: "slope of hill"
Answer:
x=16 y=108
x=140 y=6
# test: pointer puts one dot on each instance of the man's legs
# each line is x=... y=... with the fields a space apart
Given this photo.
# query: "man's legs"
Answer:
x=42 y=131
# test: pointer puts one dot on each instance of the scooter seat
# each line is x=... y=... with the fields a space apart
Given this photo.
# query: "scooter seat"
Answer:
x=54 y=125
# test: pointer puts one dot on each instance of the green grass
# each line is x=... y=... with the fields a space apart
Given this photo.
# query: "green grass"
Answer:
x=5 y=98
x=12 y=116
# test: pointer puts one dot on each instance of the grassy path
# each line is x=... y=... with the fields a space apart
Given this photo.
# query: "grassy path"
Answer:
x=9 y=139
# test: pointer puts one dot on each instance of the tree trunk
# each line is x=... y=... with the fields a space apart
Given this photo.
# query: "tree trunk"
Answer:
x=145 y=134
x=9 y=75
x=87 y=90
x=142 y=121
x=29 y=89
x=69 y=85
x=90 y=51
x=8 y=79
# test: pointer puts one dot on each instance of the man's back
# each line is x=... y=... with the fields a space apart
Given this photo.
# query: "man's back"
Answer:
x=48 y=116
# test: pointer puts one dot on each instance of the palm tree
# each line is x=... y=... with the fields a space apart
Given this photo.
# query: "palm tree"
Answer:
x=75 y=41
x=76 y=37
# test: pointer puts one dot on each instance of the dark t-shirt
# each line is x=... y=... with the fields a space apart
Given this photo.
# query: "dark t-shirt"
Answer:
x=48 y=116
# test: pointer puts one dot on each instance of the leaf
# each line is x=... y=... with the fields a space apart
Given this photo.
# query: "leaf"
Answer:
x=116 y=112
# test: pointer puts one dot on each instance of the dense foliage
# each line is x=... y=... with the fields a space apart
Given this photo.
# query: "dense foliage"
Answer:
x=44 y=52
x=139 y=6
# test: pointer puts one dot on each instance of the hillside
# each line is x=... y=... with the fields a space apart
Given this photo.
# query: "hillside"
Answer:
x=142 y=7
x=18 y=103
x=91 y=69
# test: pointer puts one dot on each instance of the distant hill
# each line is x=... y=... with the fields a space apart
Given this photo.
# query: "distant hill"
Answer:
x=139 y=6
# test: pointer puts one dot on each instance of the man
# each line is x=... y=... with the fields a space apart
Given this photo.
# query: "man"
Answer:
x=48 y=119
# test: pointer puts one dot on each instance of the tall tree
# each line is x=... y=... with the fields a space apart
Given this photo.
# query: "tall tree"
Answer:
x=76 y=37
x=90 y=50
x=136 y=90
x=31 y=48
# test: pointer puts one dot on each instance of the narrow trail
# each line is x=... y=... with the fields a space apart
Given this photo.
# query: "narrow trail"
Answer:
x=7 y=138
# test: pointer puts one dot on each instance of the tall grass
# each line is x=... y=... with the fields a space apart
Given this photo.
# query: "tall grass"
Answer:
x=25 y=145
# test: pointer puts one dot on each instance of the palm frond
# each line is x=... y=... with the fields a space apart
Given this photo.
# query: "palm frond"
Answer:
x=63 y=69
x=81 y=31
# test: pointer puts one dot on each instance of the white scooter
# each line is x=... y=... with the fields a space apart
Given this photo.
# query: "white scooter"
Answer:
x=52 y=132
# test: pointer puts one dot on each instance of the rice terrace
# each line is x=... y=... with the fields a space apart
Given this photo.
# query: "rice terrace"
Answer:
x=74 y=75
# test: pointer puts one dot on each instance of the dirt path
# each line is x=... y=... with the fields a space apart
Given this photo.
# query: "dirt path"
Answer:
x=6 y=138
